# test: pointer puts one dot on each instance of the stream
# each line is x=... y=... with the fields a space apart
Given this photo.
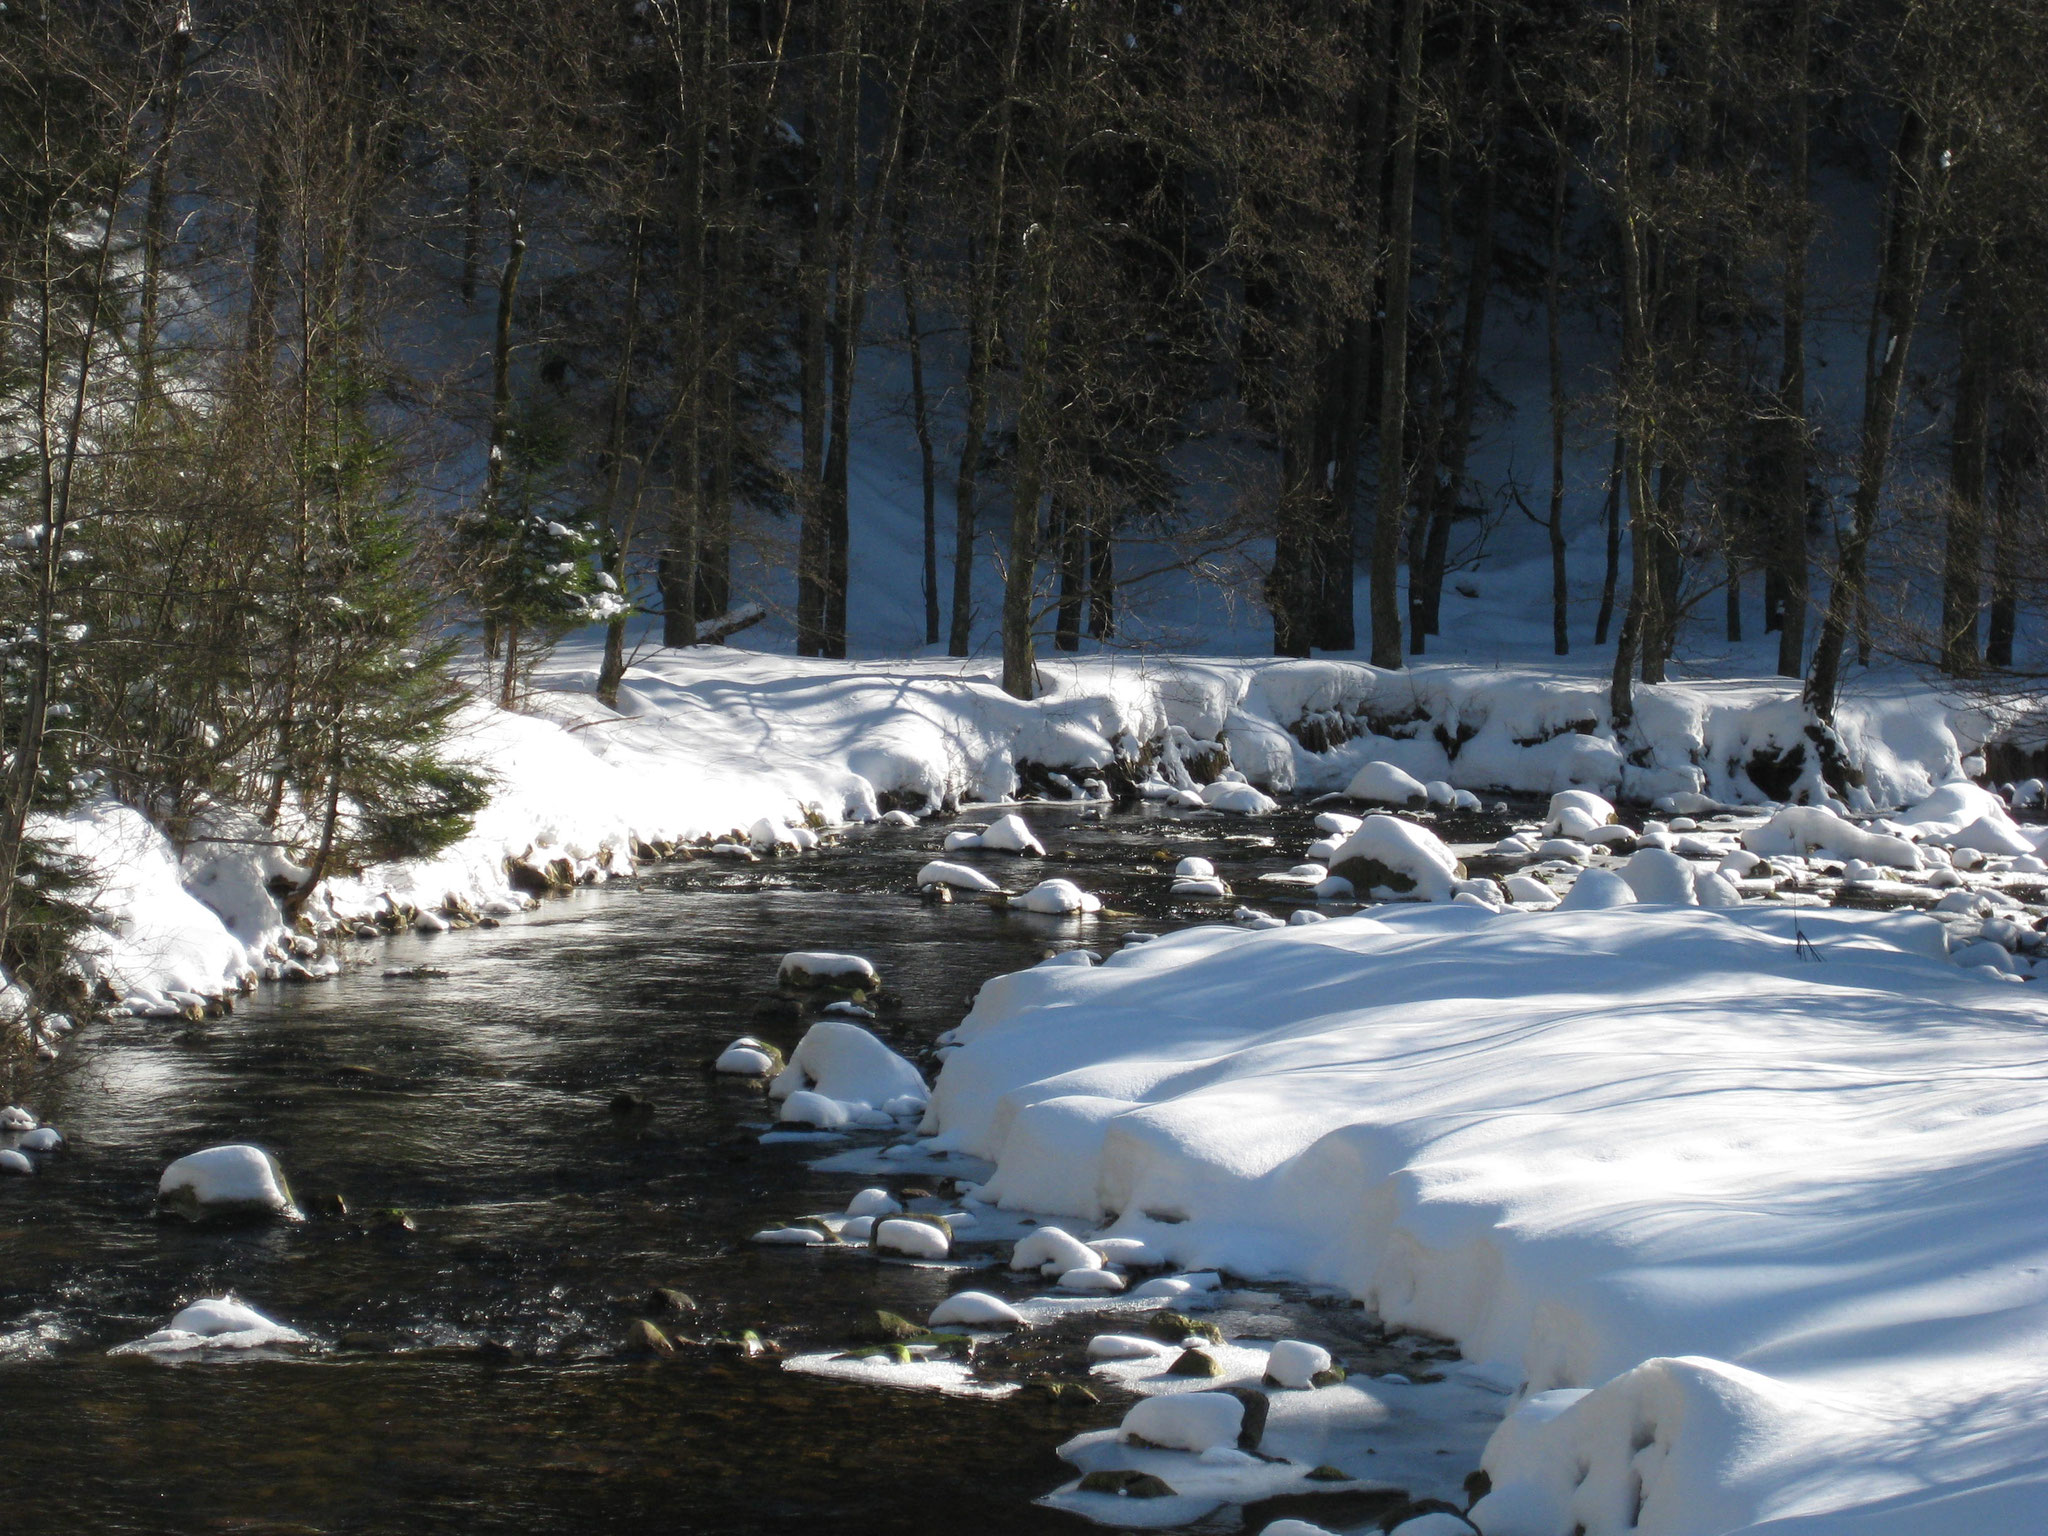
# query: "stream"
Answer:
x=468 y=1373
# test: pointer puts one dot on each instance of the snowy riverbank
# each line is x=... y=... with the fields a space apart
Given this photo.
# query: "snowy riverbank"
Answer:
x=1752 y=1227
x=714 y=743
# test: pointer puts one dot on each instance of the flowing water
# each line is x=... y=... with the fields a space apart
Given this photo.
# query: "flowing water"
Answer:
x=468 y=1374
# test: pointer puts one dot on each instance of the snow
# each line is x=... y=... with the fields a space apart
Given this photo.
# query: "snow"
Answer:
x=1804 y=829
x=1053 y=1251
x=219 y=1323
x=42 y=1139
x=1385 y=784
x=12 y=1161
x=745 y=1057
x=1058 y=898
x=1391 y=858
x=1294 y=1363
x=975 y=1309
x=227 y=1178
x=806 y=969
x=1657 y=876
x=1009 y=834
x=839 y=1071
x=1190 y=1421
x=911 y=1239
x=873 y=1202
x=1754 y=1233
x=960 y=876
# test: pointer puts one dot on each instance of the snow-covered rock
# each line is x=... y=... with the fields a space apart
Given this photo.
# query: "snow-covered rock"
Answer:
x=1010 y=834
x=1295 y=1362
x=15 y=1118
x=873 y=1202
x=911 y=1239
x=219 y=1323
x=1053 y=1251
x=12 y=1161
x=1596 y=889
x=1390 y=858
x=749 y=1057
x=1239 y=799
x=1185 y=1421
x=43 y=1138
x=1661 y=877
x=1581 y=806
x=1125 y=1346
x=236 y=1179
x=1382 y=783
x=1091 y=1281
x=962 y=877
x=843 y=1065
x=1058 y=898
x=1805 y=829
x=975 y=1309
x=812 y=970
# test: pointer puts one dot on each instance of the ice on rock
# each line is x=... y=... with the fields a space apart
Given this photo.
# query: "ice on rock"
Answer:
x=219 y=1323
x=1185 y=1421
x=1595 y=889
x=975 y=1309
x=1295 y=1362
x=42 y=1139
x=1053 y=1251
x=843 y=1064
x=1390 y=858
x=1010 y=834
x=1126 y=1346
x=12 y=1161
x=1659 y=877
x=961 y=877
x=911 y=1239
x=748 y=1057
x=237 y=1179
x=810 y=970
x=873 y=1202
x=1381 y=783
x=1058 y=898
x=1100 y=1281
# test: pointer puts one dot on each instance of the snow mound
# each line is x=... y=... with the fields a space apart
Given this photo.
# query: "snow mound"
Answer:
x=1390 y=858
x=975 y=1309
x=1800 y=830
x=963 y=877
x=1058 y=898
x=1752 y=1231
x=809 y=970
x=845 y=1067
x=220 y=1323
x=230 y=1180
x=1384 y=784
x=1658 y=876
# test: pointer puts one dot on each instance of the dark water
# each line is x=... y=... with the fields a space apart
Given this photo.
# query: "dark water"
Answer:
x=469 y=1375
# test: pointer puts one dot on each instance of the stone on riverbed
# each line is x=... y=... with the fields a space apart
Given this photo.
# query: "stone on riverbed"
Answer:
x=237 y=1180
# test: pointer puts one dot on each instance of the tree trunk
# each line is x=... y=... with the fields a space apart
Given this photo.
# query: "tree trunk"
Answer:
x=1610 y=578
x=1902 y=281
x=1070 y=541
x=1969 y=448
x=1553 y=324
x=2020 y=443
x=612 y=670
x=1635 y=421
x=1790 y=557
x=1393 y=487
x=981 y=323
x=501 y=402
x=157 y=216
x=1465 y=401
x=927 y=459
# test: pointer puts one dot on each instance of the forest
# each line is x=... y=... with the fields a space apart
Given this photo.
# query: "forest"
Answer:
x=337 y=336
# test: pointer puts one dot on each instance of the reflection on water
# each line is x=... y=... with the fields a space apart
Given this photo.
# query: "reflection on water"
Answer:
x=468 y=1380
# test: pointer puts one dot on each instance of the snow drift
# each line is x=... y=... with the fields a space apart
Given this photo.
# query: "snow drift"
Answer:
x=1756 y=1237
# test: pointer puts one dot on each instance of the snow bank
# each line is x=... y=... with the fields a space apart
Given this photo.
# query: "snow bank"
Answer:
x=716 y=744
x=1757 y=1235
